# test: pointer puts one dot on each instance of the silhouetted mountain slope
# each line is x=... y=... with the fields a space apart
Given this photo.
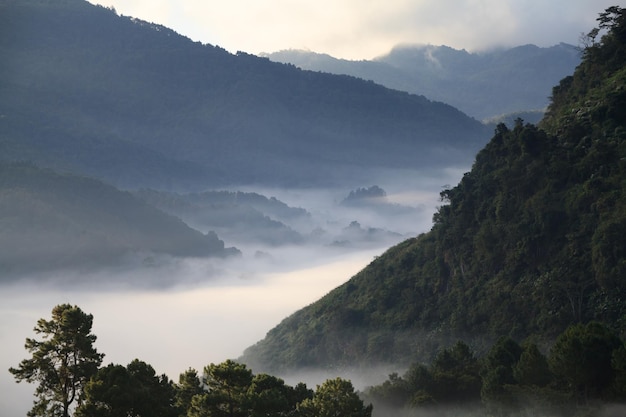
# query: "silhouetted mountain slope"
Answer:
x=483 y=85
x=51 y=221
x=140 y=105
x=530 y=241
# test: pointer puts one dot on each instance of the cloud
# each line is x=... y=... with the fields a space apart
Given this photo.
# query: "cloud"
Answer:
x=364 y=29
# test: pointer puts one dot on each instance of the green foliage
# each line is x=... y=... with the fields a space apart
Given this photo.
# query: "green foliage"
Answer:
x=455 y=377
x=581 y=358
x=497 y=372
x=231 y=389
x=451 y=379
x=61 y=363
x=132 y=391
x=334 y=398
x=584 y=370
x=532 y=368
x=588 y=361
x=189 y=385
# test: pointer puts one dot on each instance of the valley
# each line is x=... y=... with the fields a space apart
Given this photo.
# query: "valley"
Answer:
x=207 y=206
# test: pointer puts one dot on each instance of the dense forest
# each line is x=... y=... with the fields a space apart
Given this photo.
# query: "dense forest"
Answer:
x=528 y=243
x=138 y=105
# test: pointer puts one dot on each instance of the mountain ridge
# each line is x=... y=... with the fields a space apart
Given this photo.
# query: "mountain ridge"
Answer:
x=484 y=85
x=150 y=108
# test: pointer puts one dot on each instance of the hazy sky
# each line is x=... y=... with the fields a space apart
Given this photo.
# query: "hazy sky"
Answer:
x=364 y=29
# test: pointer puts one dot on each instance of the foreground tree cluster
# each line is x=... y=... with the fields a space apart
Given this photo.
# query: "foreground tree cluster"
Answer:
x=584 y=369
x=66 y=366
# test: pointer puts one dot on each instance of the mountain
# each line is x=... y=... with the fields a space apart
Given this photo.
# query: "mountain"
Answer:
x=237 y=215
x=83 y=89
x=484 y=85
x=530 y=241
x=51 y=221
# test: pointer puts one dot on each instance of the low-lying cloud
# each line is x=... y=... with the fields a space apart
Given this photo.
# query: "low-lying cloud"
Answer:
x=179 y=313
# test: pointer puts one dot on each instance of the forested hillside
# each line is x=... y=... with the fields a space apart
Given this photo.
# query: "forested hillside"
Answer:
x=136 y=104
x=51 y=221
x=529 y=242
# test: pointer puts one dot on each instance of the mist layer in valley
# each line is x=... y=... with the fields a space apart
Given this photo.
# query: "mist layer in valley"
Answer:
x=179 y=312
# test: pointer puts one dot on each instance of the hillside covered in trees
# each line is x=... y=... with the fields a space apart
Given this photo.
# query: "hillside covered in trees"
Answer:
x=528 y=243
x=136 y=104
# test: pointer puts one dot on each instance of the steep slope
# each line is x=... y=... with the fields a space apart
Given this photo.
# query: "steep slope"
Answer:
x=137 y=104
x=530 y=241
x=483 y=85
x=51 y=221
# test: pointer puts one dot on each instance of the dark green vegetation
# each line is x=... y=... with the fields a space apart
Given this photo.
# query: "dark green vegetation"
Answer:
x=483 y=85
x=66 y=366
x=50 y=221
x=529 y=242
x=137 y=104
x=585 y=369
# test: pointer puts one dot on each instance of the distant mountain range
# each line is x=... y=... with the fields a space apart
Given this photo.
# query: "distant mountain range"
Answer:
x=136 y=104
x=484 y=85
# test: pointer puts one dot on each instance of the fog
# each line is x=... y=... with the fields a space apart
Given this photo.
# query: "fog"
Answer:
x=181 y=313
x=187 y=326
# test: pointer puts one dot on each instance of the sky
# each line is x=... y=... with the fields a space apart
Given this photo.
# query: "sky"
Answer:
x=365 y=29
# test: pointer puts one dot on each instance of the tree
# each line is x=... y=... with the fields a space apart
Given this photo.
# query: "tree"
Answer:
x=455 y=375
x=188 y=386
x=395 y=391
x=62 y=362
x=226 y=386
x=132 y=391
x=532 y=368
x=335 y=398
x=581 y=359
x=270 y=396
x=498 y=373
